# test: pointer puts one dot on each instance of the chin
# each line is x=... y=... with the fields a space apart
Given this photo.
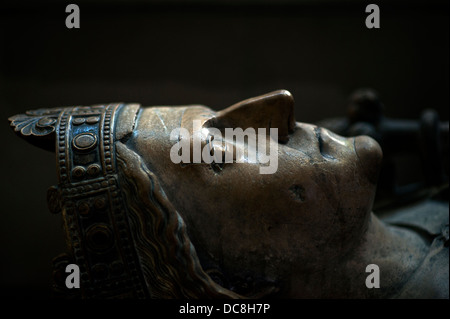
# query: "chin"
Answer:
x=370 y=157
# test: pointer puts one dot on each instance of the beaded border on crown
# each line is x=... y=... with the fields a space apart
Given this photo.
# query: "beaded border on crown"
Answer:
x=89 y=197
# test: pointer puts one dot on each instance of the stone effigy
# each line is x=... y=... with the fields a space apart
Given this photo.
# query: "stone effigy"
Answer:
x=141 y=222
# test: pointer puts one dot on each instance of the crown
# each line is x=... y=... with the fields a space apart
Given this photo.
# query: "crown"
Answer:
x=88 y=194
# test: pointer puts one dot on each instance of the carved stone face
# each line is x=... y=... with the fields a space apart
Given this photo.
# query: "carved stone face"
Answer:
x=304 y=217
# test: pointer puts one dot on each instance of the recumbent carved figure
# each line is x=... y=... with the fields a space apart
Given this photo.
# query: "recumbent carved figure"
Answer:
x=140 y=226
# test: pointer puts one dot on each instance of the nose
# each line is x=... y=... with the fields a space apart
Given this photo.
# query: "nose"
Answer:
x=271 y=110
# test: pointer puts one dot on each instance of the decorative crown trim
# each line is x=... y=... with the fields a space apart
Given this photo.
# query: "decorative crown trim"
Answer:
x=88 y=194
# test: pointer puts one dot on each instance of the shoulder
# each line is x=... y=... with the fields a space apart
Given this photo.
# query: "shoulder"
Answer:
x=429 y=216
x=430 y=220
x=431 y=279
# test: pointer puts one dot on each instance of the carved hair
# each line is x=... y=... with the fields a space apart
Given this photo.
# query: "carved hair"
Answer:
x=168 y=259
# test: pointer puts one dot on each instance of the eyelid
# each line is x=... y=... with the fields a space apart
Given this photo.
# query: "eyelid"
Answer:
x=227 y=149
x=215 y=147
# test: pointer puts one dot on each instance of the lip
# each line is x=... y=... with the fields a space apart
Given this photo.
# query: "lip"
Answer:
x=318 y=134
x=323 y=144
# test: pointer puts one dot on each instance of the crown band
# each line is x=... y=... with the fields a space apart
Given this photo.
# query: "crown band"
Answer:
x=88 y=193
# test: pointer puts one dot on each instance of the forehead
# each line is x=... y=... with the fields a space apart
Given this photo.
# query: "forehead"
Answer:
x=164 y=119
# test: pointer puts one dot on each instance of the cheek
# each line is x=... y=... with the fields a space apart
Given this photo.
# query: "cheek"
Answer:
x=310 y=214
x=321 y=215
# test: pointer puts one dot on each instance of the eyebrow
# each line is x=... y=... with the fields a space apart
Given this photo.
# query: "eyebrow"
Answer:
x=158 y=113
x=192 y=113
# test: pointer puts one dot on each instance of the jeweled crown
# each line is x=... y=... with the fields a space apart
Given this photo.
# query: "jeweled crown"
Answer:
x=88 y=194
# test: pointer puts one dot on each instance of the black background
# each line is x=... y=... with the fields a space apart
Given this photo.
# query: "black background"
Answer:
x=212 y=53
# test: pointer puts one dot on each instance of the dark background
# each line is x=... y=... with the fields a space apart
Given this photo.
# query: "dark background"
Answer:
x=213 y=53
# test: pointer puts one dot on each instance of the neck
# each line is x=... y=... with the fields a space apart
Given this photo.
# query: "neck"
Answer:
x=397 y=253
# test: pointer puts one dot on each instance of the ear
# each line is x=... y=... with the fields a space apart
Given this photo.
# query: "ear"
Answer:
x=271 y=110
